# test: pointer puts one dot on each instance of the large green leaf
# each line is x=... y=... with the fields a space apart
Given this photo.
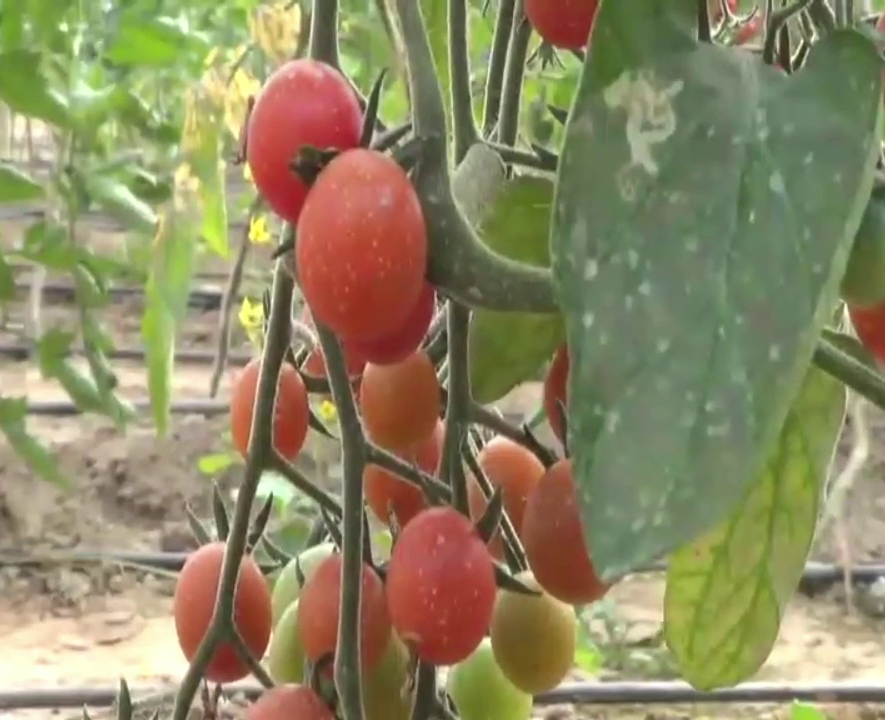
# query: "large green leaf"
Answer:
x=13 y=414
x=115 y=197
x=25 y=88
x=154 y=41
x=16 y=186
x=506 y=349
x=704 y=214
x=727 y=590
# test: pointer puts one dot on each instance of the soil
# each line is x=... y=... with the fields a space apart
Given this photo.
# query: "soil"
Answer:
x=69 y=624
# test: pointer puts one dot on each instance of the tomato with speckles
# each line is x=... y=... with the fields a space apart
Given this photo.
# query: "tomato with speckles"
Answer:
x=361 y=254
x=305 y=102
x=406 y=339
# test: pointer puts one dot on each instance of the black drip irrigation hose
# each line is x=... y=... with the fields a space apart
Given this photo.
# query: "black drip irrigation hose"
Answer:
x=206 y=276
x=21 y=352
x=204 y=300
x=65 y=408
x=582 y=693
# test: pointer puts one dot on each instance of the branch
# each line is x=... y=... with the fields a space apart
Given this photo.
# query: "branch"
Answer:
x=521 y=33
x=457 y=408
x=464 y=129
x=497 y=61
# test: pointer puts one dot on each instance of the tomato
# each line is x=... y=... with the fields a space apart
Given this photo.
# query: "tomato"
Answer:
x=864 y=279
x=556 y=390
x=386 y=693
x=553 y=539
x=291 y=410
x=400 y=403
x=406 y=339
x=320 y=606
x=869 y=324
x=361 y=254
x=388 y=494
x=749 y=30
x=481 y=691
x=194 y=605
x=315 y=364
x=287 y=702
x=292 y=577
x=440 y=586
x=533 y=637
x=303 y=103
x=564 y=24
x=285 y=655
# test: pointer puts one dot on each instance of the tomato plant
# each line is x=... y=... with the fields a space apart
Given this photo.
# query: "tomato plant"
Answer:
x=287 y=702
x=361 y=254
x=285 y=654
x=565 y=24
x=440 y=586
x=291 y=410
x=194 y=605
x=533 y=637
x=387 y=493
x=556 y=391
x=294 y=574
x=481 y=691
x=554 y=540
x=303 y=103
x=396 y=346
x=320 y=607
x=400 y=403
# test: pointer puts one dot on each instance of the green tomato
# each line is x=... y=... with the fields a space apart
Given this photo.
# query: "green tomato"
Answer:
x=864 y=280
x=385 y=689
x=481 y=692
x=287 y=588
x=285 y=655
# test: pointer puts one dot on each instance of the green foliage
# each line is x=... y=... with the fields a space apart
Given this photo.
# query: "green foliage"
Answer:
x=691 y=311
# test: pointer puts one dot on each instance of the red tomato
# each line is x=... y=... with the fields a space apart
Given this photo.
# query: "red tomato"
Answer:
x=441 y=586
x=288 y=702
x=319 y=608
x=749 y=30
x=564 y=24
x=556 y=390
x=869 y=324
x=400 y=403
x=387 y=493
x=553 y=539
x=194 y=605
x=362 y=246
x=304 y=102
x=291 y=410
x=398 y=345
x=315 y=365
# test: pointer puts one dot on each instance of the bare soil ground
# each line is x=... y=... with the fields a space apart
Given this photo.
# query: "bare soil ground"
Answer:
x=69 y=625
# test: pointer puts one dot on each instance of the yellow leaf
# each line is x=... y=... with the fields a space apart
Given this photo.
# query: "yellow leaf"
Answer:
x=258 y=230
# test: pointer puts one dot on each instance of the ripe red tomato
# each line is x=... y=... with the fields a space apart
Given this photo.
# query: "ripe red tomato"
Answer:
x=304 y=102
x=400 y=403
x=315 y=364
x=398 y=345
x=565 y=24
x=287 y=702
x=319 y=608
x=362 y=246
x=291 y=410
x=388 y=494
x=194 y=605
x=441 y=586
x=556 y=390
x=869 y=324
x=553 y=539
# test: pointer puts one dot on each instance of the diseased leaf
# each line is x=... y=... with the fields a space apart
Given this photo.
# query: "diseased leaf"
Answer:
x=727 y=590
x=506 y=349
x=705 y=209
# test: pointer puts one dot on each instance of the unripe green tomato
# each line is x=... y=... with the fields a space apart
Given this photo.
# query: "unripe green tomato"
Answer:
x=285 y=655
x=287 y=588
x=481 y=692
x=386 y=693
x=864 y=281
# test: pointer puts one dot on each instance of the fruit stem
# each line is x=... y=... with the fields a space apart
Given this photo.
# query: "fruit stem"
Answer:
x=497 y=61
x=324 y=32
x=460 y=265
x=457 y=407
x=464 y=130
x=353 y=460
x=851 y=372
x=260 y=452
x=517 y=51
x=425 y=691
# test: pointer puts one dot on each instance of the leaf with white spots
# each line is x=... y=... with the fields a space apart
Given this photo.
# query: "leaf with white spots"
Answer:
x=705 y=209
x=727 y=590
x=506 y=349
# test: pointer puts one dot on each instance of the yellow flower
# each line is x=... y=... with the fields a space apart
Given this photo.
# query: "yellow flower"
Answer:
x=251 y=317
x=258 y=230
x=327 y=411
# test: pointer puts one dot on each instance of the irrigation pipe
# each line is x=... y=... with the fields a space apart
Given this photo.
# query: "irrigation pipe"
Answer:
x=204 y=299
x=22 y=352
x=583 y=693
x=65 y=408
x=205 y=276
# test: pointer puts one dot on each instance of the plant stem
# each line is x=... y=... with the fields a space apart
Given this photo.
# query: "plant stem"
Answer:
x=859 y=377
x=497 y=61
x=464 y=130
x=324 y=32
x=457 y=407
x=260 y=453
x=517 y=51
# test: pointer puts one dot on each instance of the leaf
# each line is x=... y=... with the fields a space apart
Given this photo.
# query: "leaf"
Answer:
x=727 y=590
x=7 y=280
x=53 y=350
x=215 y=463
x=26 y=90
x=698 y=242
x=13 y=414
x=506 y=349
x=119 y=200
x=16 y=186
x=144 y=41
x=806 y=711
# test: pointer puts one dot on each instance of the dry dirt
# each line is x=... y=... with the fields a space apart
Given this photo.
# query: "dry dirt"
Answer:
x=67 y=625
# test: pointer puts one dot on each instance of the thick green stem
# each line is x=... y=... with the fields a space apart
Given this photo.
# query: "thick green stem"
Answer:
x=497 y=61
x=464 y=129
x=460 y=265
x=259 y=457
x=324 y=32
x=457 y=407
x=852 y=372
x=517 y=52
